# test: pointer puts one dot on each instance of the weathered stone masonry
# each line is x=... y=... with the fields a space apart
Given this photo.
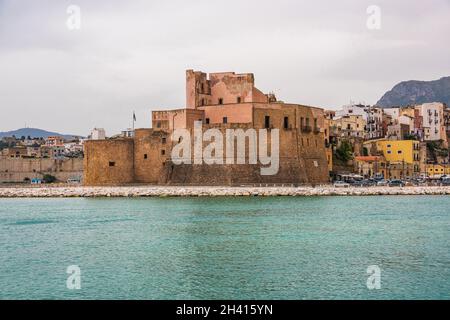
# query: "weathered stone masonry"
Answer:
x=224 y=101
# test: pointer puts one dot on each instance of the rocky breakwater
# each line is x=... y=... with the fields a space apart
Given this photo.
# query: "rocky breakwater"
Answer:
x=178 y=191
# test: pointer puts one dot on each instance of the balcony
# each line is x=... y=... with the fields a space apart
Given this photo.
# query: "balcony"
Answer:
x=306 y=129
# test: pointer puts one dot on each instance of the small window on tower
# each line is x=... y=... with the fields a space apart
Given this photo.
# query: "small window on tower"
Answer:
x=145 y=156
x=225 y=120
x=112 y=164
x=163 y=152
x=286 y=123
x=239 y=99
x=163 y=140
x=220 y=100
x=207 y=120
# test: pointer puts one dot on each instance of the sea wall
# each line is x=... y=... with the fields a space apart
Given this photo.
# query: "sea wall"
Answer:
x=172 y=191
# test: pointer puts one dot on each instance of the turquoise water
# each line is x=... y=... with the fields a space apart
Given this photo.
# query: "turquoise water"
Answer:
x=226 y=248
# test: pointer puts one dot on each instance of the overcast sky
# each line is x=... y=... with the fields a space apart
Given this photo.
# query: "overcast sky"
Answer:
x=132 y=55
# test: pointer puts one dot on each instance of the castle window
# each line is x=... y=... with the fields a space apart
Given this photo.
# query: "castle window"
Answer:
x=267 y=122
x=145 y=156
x=207 y=120
x=286 y=123
x=225 y=120
x=163 y=152
x=163 y=140
x=203 y=102
x=158 y=124
x=112 y=164
x=239 y=99
x=220 y=100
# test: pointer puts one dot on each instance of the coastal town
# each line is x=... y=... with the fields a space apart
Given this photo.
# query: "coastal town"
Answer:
x=357 y=145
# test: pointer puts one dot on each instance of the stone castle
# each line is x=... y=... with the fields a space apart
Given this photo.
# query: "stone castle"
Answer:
x=221 y=101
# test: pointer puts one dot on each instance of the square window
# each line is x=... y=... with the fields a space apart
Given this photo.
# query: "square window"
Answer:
x=163 y=152
x=145 y=156
x=112 y=164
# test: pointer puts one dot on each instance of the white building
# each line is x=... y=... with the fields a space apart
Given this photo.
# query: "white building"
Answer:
x=433 y=121
x=352 y=110
x=373 y=116
x=98 y=134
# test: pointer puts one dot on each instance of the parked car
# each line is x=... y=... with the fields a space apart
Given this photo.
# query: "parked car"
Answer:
x=75 y=180
x=446 y=182
x=382 y=183
x=36 y=181
x=363 y=183
x=341 y=184
x=396 y=183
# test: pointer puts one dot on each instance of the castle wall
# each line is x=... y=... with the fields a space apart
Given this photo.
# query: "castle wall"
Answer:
x=180 y=119
x=109 y=162
x=147 y=158
x=235 y=113
x=151 y=150
x=18 y=169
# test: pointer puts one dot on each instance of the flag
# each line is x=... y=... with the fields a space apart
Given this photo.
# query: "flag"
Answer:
x=134 y=116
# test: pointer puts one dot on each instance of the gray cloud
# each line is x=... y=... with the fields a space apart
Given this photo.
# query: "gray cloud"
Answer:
x=132 y=55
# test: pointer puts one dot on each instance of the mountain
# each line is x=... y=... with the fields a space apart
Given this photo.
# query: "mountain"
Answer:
x=34 y=133
x=417 y=92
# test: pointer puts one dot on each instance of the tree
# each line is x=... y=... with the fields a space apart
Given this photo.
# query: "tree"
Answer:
x=344 y=152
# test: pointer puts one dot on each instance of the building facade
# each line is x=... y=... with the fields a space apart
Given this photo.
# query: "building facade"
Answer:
x=224 y=102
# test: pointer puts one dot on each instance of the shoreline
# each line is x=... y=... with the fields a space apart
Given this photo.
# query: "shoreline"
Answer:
x=207 y=191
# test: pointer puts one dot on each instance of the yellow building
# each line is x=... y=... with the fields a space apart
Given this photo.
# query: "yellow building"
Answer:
x=371 y=166
x=437 y=169
x=401 y=151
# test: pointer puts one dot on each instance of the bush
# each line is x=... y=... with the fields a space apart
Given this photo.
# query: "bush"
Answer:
x=48 y=178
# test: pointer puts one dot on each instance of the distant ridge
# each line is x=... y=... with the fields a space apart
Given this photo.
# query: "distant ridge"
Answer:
x=35 y=133
x=417 y=92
